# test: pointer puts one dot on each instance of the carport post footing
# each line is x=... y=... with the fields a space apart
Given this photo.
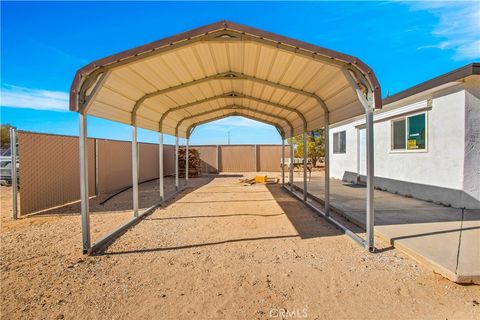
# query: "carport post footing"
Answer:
x=135 y=171
x=160 y=166
x=84 y=208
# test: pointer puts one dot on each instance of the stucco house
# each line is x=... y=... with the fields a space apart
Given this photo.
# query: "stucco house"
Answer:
x=427 y=141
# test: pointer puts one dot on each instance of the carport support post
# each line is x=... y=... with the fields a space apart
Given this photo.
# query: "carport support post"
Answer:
x=176 y=164
x=305 y=191
x=291 y=164
x=160 y=166
x=217 y=161
x=135 y=171
x=84 y=183
x=13 y=172
x=283 y=161
x=326 y=142
x=186 y=163
x=370 y=176
x=368 y=102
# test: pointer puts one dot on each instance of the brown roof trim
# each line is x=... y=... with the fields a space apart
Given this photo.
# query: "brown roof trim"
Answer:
x=454 y=75
x=360 y=65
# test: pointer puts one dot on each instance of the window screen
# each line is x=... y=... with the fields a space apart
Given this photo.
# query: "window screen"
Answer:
x=340 y=142
x=399 y=132
x=416 y=132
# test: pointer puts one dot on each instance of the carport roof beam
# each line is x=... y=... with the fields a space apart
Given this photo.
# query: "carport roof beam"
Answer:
x=230 y=75
x=235 y=113
x=236 y=108
x=233 y=95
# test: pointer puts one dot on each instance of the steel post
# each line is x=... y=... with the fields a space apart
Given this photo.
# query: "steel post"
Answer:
x=84 y=183
x=160 y=166
x=217 y=161
x=305 y=191
x=326 y=143
x=283 y=161
x=177 y=186
x=291 y=163
x=186 y=162
x=13 y=173
x=256 y=158
x=135 y=170
x=370 y=186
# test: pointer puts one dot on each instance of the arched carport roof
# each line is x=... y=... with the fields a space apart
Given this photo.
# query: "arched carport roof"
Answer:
x=171 y=84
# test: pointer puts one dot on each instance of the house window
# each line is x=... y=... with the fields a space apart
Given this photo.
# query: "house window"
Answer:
x=409 y=133
x=340 y=142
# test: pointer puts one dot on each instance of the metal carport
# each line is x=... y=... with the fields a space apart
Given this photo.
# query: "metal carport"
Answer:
x=222 y=69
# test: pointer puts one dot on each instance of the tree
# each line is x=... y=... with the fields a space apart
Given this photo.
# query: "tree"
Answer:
x=315 y=145
x=5 y=135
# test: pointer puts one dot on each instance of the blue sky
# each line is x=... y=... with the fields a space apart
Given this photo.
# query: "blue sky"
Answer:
x=43 y=44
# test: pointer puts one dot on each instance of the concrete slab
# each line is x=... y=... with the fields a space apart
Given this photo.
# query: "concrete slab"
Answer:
x=442 y=238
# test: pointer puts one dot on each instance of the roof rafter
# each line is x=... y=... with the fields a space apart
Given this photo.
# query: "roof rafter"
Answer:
x=233 y=95
x=236 y=108
x=235 y=113
x=230 y=75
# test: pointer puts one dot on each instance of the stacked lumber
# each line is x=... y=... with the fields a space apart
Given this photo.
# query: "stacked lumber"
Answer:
x=194 y=164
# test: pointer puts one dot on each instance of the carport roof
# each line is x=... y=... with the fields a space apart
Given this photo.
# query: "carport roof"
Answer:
x=224 y=69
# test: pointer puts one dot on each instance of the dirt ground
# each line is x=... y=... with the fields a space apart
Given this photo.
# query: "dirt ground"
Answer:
x=219 y=250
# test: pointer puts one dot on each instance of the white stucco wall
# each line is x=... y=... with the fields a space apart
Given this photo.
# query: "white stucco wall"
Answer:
x=440 y=165
x=471 y=180
x=339 y=163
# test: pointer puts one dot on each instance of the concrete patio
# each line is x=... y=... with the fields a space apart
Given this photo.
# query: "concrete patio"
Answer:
x=444 y=239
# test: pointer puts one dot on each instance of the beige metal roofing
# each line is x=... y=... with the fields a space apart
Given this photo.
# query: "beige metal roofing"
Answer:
x=174 y=84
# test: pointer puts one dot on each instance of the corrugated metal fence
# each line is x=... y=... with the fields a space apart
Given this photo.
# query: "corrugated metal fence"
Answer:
x=49 y=166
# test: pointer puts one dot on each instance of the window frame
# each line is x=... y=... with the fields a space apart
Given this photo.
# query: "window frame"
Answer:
x=405 y=118
x=333 y=140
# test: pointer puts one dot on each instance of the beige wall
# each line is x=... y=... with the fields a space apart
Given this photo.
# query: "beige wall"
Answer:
x=239 y=158
x=49 y=171
x=49 y=166
x=148 y=161
x=208 y=158
x=114 y=165
x=168 y=160
x=269 y=157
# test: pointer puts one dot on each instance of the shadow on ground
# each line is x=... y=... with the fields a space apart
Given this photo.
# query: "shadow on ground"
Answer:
x=306 y=222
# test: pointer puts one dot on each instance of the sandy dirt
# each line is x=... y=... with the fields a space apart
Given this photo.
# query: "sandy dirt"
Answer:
x=219 y=250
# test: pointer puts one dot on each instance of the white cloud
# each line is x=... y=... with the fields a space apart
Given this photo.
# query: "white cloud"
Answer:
x=233 y=122
x=238 y=121
x=458 y=26
x=13 y=96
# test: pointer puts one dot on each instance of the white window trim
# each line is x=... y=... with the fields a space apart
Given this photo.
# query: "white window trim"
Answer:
x=406 y=150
